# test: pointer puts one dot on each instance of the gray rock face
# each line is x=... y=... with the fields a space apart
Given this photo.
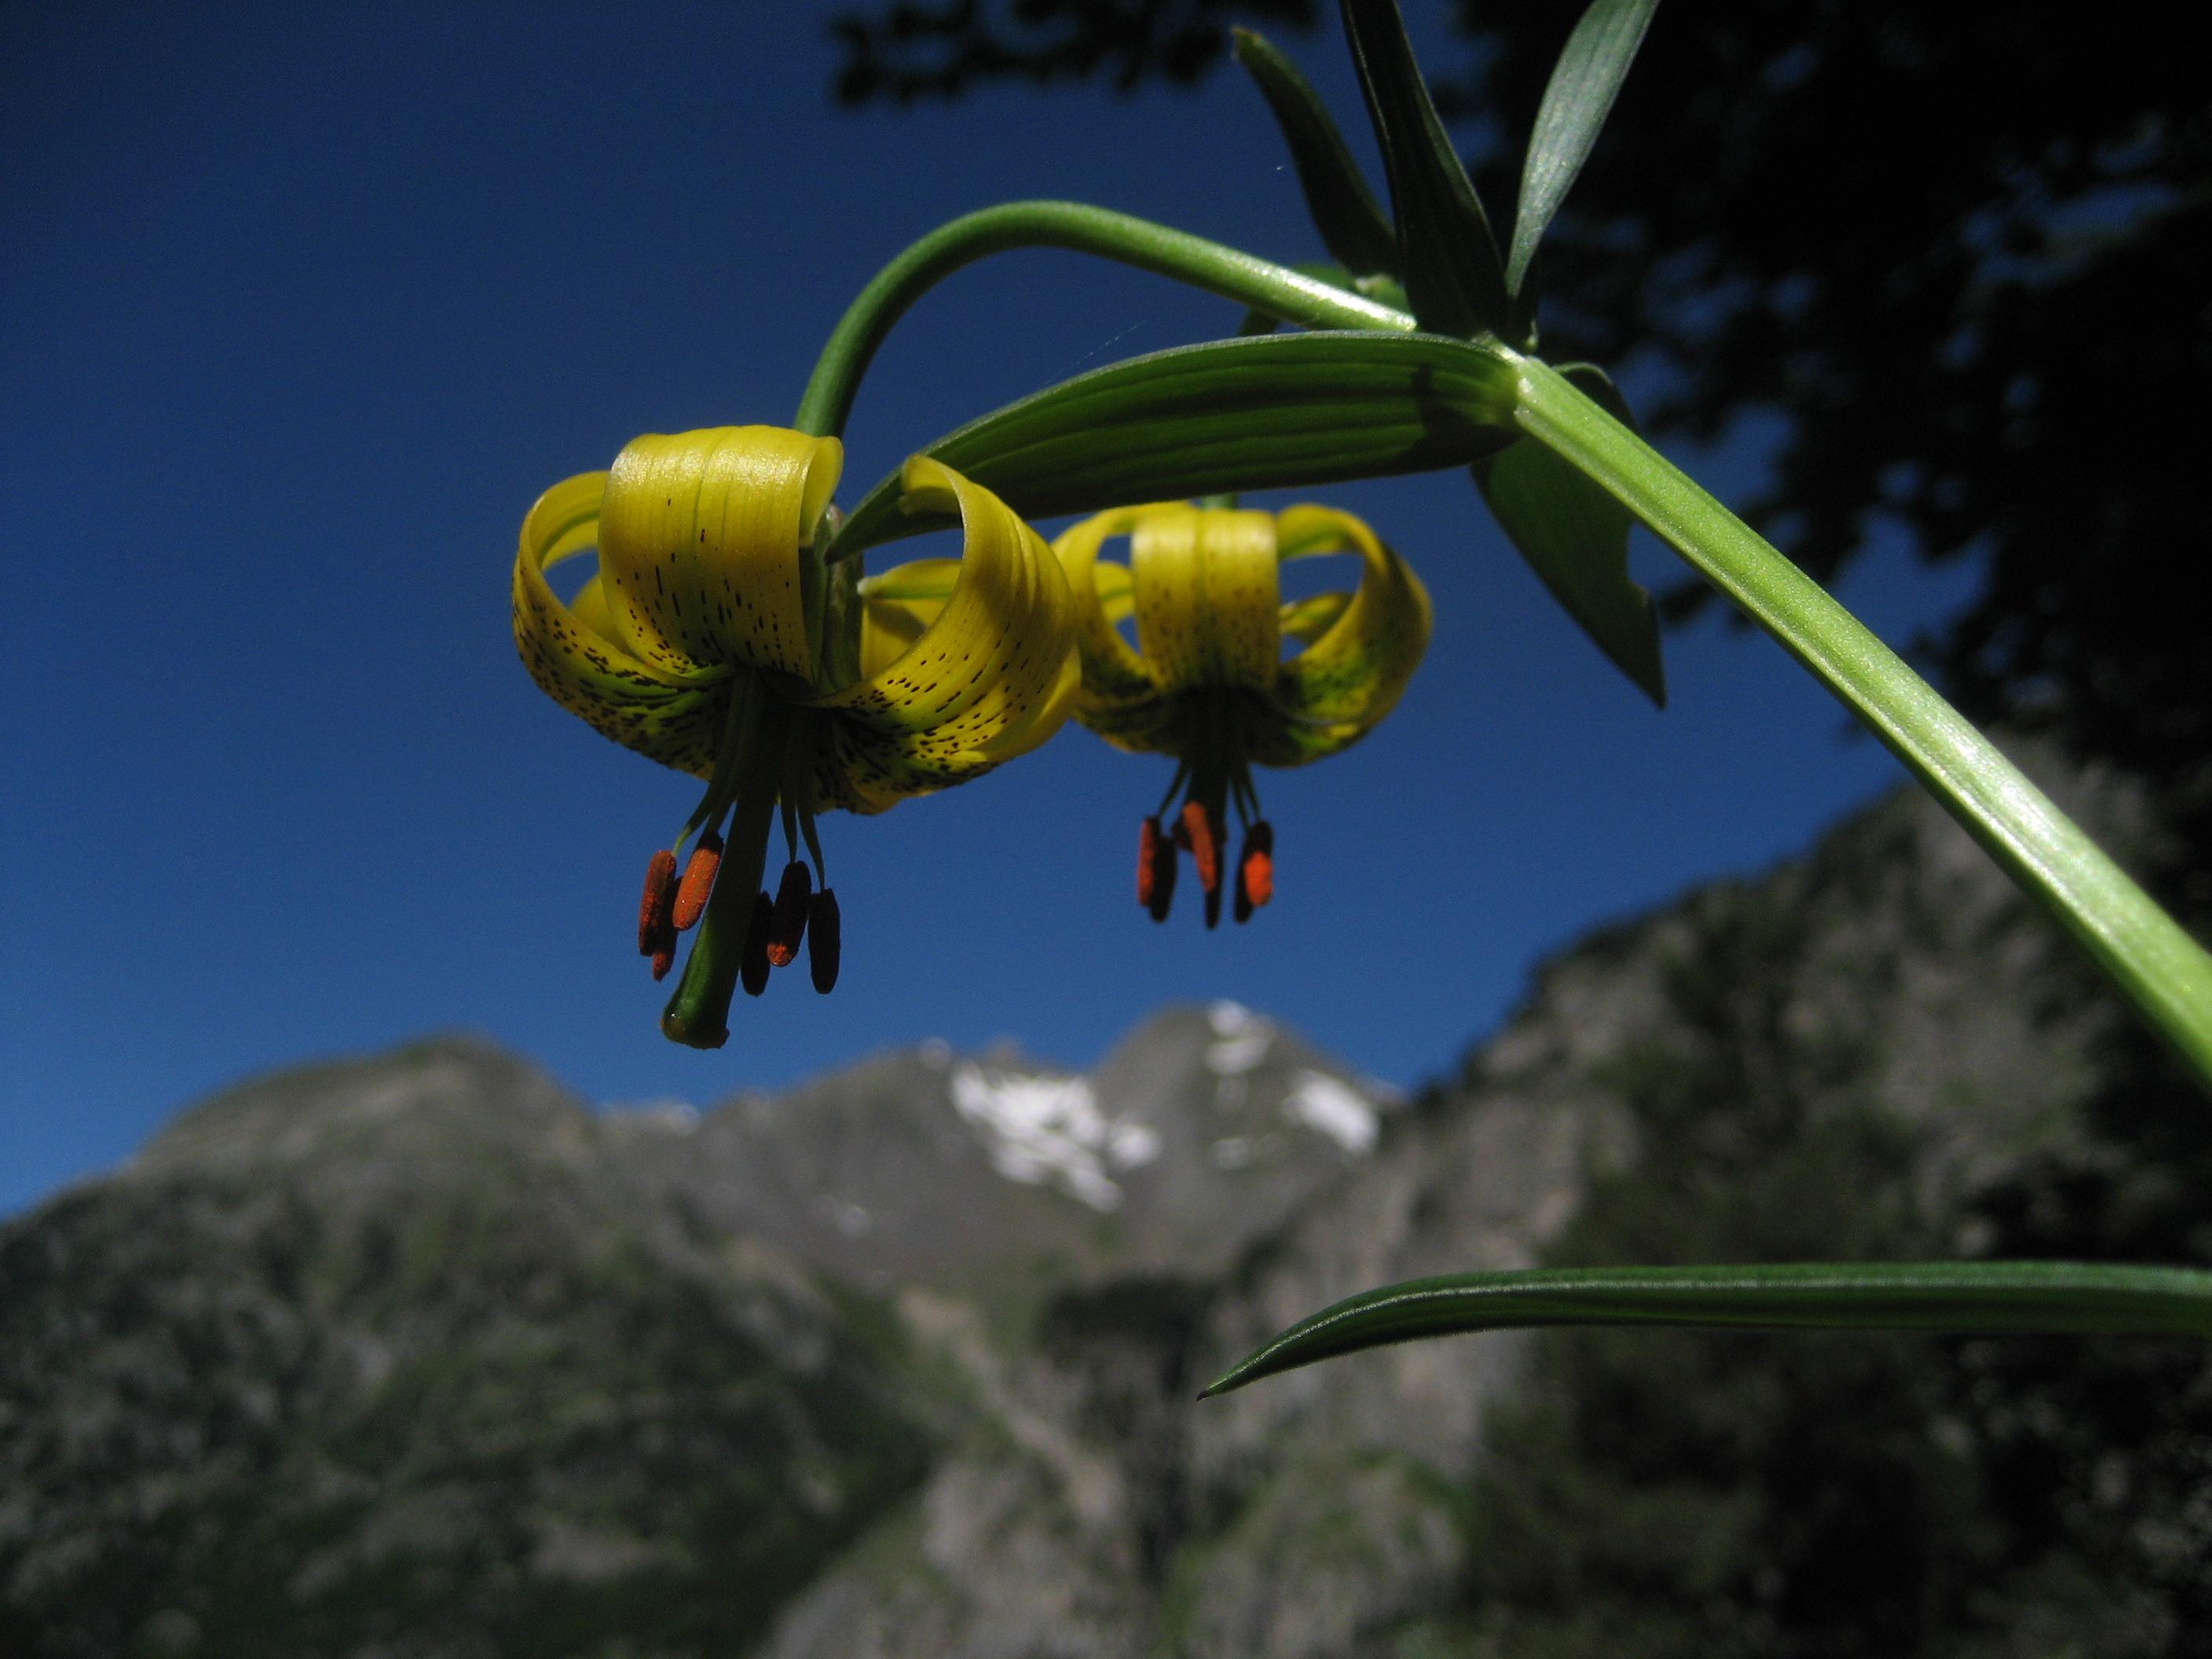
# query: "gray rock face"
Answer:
x=417 y=1356
x=1009 y=1179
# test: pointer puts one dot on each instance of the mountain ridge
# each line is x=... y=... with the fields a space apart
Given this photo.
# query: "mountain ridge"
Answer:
x=420 y=1355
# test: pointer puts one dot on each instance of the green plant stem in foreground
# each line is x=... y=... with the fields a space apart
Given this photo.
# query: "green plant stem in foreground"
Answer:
x=2143 y=950
x=1253 y=282
x=2050 y=1299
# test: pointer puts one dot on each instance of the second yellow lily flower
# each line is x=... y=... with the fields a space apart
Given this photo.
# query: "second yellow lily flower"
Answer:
x=1207 y=680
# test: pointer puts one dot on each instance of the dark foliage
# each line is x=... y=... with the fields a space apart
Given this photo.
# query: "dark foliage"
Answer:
x=1962 y=252
x=1825 y=1496
x=2102 y=1453
x=912 y=51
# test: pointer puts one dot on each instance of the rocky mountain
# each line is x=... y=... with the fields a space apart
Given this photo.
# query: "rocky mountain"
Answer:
x=417 y=1356
x=1200 y=1133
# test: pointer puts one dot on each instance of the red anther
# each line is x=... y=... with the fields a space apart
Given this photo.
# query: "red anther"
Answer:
x=1202 y=834
x=789 y=924
x=752 y=963
x=1256 y=867
x=1148 y=860
x=654 y=933
x=824 y=938
x=663 y=961
x=698 y=882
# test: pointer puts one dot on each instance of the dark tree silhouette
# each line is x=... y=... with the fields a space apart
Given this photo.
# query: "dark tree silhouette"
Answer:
x=912 y=51
x=1964 y=252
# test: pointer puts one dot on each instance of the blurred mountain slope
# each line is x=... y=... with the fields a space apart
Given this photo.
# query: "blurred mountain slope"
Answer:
x=416 y=1355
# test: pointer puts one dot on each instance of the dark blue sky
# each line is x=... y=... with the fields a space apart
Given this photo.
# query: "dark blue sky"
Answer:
x=301 y=307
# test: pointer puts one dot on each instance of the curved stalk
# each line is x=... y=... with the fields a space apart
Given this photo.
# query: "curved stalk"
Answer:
x=2156 y=965
x=1257 y=283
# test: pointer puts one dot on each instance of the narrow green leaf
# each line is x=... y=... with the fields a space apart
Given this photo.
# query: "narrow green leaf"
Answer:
x=2149 y=956
x=1575 y=537
x=1447 y=257
x=2050 y=1299
x=1351 y=223
x=1225 y=416
x=1583 y=84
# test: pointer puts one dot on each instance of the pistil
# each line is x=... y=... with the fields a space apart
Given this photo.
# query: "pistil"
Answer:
x=698 y=1014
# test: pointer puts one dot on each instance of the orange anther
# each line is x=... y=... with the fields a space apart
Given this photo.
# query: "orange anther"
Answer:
x=654 y=934
x=698 y=882
x=1203 y=836
x=1256 y=868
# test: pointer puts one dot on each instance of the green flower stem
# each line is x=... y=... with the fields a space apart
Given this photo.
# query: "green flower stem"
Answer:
x=2049 y=1298
x=698 y=1012
x=1250 y=282
x=2157 y=966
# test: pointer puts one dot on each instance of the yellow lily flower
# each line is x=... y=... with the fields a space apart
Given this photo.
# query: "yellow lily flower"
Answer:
x=1209 y=682
x=713 y=639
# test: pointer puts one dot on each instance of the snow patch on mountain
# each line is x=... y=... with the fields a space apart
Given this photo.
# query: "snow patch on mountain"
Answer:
x=1334 y=1108
x=1240 y=1039
x=1132 y=1145
x=663 y=1112
x=1048 y=1130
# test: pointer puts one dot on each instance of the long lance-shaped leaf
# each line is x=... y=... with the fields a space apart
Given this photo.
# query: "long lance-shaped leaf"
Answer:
x=1447 y=257
x=1579 y=97
x=2141 y=949
x=1229 y=415
x=1352 y=225
x=1575 y=536
x=2028 y=1297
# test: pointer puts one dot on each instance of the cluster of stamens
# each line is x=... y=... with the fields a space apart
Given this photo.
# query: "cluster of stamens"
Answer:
x=797 y=913
x=1200 y=832
x=763 y=770
x=1213 y=778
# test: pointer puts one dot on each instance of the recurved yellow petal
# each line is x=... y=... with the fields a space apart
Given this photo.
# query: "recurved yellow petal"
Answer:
x=982 y=680
x=1348 y=678
x=576 y=661
x=1117 y=595
x=1208 y=596
x=700 y=543
x=898 y=604
x=1307 y=620
x=1113 y=674
x=1051 y=714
